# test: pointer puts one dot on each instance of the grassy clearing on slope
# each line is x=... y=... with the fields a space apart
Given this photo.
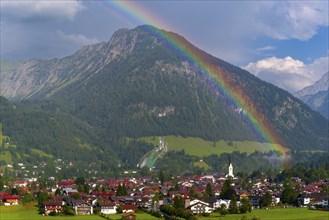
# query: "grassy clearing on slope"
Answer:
x=84 y=145
x=6 y=156
x=41 y=153
x=200 y=147
x=276 y=214
x=201 y=164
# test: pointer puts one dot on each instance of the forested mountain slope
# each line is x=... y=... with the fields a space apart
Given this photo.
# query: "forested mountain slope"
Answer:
x=138 y=84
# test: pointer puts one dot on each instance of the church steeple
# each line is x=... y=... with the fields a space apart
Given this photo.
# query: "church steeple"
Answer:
x=230 y=170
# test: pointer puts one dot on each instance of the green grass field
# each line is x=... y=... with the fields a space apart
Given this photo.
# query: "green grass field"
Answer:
x=276 y=214
x=200 y=147
x=139 y=216
x=30 y=212
x=6 y=156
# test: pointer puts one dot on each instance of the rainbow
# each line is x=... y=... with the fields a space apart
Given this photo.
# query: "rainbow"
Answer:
x=136 y=15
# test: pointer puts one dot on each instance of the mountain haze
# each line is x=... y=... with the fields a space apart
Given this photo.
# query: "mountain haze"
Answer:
x=138 y=84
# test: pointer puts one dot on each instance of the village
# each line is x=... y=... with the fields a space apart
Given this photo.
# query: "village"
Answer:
x=197 y=195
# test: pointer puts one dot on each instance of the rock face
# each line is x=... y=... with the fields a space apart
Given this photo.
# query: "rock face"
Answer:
x=41 y=78
x=317 y=95
x=139 y=84
x=319 y=86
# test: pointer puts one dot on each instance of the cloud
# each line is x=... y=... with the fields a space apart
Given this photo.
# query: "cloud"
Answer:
x=288 y=73
x=77 y=39
x=41 y=9
x=291 y=20
x=265 y=48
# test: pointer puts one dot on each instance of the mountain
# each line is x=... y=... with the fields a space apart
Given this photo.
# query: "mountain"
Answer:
x=31 y=126
x=317 y=95
x=139 y=84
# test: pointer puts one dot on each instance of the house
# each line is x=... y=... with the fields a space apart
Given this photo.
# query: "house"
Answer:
x=128 y=208
x=244 y=195
x=212 y=201
x=82 y=207
x=255 y=201
x=108 y=207
x=221 y=202
x=11 y=200
x=200 y=207
x=276 y=200
x=68 y=190
x=129 y=216
x=319 y=198
x=52 y=206
x=2 y=196
x=304 y=199
x=325 y=202
x=20 y=183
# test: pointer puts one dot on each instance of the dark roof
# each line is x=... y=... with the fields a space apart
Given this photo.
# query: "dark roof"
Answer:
x=108 y=203
x=319 y=196
x=129 y=206
x=52 y=203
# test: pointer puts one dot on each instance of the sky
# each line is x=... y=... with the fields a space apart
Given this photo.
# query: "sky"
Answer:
x=282 y=42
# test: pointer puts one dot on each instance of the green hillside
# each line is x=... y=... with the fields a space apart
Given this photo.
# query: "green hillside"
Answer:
x=152 y=89
x=0 y=134
x=36 y=134
x=138 y=86
x=199 y=147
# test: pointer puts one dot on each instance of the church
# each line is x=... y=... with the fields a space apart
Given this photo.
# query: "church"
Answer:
x=230 y=171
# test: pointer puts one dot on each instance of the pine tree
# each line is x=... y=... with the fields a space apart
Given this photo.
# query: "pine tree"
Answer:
x=179 y=202
x=1 y=183
x=208 y=191
x=121 y=191
x=246 y=205
x=266 y=200
x=233 y=209
x=161 y=177
x=288 y=195
x=227 y=190
x=58 y=192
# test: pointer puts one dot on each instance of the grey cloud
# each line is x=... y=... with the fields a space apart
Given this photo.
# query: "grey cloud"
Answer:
x=39 y=9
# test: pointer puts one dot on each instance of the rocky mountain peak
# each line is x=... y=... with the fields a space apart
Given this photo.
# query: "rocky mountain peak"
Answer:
x=320 y=85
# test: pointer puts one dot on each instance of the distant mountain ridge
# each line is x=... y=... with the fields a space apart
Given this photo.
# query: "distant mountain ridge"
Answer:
x=40 y=78
x=138 y=85
x=317 y=95
x=321 y=85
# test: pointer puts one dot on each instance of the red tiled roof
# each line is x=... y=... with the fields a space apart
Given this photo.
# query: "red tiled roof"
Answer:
x=52 y=203
x=11 y=197
x=129 y=206
x=108 y=203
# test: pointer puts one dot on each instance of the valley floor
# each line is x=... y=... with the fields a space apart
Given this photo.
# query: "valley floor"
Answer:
x=30 y=212
x=276 y=214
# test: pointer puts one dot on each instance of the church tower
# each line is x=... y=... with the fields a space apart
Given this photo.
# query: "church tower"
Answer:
x=230 y=171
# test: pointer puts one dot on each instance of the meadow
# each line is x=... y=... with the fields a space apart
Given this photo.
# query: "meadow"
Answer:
x=199 y=147
x=275 y=214
x=30 y=212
